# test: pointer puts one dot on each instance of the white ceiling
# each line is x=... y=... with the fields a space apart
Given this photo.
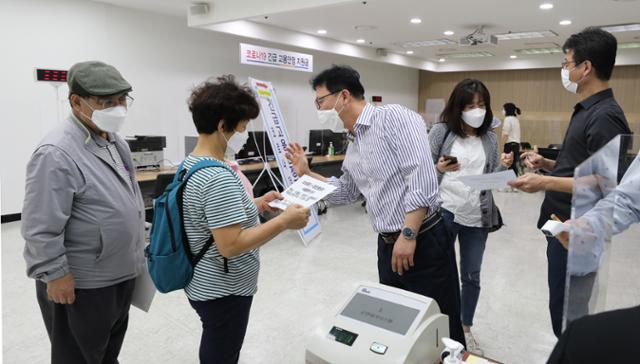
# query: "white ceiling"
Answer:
x=390 y=18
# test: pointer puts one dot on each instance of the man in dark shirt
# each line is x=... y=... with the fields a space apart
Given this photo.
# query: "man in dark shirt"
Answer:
x=608 y=337
x=589 y=59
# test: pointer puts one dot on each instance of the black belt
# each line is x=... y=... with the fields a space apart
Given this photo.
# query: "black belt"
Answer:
x=428 y=222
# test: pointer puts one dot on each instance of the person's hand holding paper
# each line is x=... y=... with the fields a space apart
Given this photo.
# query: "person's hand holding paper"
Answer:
x=306 y=191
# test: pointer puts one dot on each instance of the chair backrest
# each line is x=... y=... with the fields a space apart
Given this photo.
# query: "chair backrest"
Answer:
x=162 y=181
x=549 y=153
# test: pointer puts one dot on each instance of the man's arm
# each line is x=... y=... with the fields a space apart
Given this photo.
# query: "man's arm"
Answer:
x=49 y=191
x=346 y=190
x=51 y=183
x=416 y=166
x=623 y=203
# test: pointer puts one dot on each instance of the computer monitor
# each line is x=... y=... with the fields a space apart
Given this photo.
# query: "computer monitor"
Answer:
x=189 y=144
x=319 y=141
x=255 y=146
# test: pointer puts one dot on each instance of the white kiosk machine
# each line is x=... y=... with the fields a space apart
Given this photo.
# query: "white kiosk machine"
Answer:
x=380 y=324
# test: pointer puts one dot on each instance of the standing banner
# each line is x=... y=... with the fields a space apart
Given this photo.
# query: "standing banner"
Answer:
x=277 y=132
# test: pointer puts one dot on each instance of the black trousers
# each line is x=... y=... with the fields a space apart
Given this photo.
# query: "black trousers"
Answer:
x=434 y=273
x=515 y=148
x=224 y=324
x=92 y=329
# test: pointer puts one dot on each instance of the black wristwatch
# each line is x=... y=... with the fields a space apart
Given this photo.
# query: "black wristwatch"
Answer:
x=408 y=233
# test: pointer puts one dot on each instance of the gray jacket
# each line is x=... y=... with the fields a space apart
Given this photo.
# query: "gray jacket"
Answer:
x=79 y=214
x=490 y=214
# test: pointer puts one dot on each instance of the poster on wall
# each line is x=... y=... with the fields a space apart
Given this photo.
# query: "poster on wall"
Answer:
x=270 y=57
x=277 y=132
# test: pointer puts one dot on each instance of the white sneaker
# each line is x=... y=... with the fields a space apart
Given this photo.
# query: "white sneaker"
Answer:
x=472 y=344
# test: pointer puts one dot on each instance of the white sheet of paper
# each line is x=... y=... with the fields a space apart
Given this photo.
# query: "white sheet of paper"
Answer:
x=488 y=181
x=306 y=191
x=554 y=228
x=144 y=291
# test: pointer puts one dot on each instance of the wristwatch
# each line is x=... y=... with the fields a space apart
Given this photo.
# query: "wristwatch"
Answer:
x=408 y=233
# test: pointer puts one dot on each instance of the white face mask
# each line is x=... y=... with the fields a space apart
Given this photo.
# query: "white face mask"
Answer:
x=237 y=141
x=566 y=82
x=111 y=119
x=474 y=117
x=330 y=119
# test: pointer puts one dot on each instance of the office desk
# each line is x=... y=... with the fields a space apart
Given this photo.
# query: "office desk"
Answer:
x=328 y=166
x=152 y=175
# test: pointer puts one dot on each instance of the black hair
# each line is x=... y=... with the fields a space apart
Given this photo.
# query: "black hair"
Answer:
x=223 y=99
x=338 y=78
x=595 y=45
x=461 y=96
x=510 y=109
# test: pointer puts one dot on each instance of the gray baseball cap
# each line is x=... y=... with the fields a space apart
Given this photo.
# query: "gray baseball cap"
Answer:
x=94 y=78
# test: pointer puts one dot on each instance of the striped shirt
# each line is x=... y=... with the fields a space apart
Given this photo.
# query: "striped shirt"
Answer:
x=215 y=198
x=389 y=163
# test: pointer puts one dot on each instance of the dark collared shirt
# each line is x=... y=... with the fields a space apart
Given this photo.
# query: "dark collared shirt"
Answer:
x=595 y=121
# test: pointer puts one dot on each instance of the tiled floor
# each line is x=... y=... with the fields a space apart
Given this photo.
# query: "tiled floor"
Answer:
x=301 y=285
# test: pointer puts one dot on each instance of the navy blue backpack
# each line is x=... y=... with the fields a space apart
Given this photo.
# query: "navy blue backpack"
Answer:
x=169 y=257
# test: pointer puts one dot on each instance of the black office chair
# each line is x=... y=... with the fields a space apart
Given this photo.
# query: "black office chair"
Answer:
x=555 y=146
x=549 y=153
x=162 y=181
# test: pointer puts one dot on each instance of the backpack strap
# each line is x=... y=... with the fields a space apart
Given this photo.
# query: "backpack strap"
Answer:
x=183 y=175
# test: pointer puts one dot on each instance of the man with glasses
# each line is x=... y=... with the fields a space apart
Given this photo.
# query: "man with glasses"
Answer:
x=589 y=59
x=389 y=164
x=83 y=221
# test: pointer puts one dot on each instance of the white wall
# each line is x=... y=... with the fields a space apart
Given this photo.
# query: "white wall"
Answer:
x=160 y=56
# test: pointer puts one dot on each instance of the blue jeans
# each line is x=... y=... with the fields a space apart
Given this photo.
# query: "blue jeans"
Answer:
x=472 y=243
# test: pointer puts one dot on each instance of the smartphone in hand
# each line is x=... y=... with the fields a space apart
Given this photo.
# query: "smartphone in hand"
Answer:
x=450 y=159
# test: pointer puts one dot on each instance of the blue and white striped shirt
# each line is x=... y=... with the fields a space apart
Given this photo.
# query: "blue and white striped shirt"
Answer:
x=389 y=163
x=215 y=198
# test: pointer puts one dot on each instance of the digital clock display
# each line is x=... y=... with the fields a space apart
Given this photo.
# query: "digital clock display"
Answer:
x=51 y=75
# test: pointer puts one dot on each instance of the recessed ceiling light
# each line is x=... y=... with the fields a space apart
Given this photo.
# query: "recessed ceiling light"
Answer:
x=526 y=35
x=630 y=45
x=365 y=28
x=361 y=41
x=621 y=28
x=416 y=21
x=449 y=32
x=546 y=6
x=428 y=43
x=535 y=51
x=513 y=56
x=441 y=60
x=478 y=54
x=565 y=22
x=322 y=31
x=409 y=52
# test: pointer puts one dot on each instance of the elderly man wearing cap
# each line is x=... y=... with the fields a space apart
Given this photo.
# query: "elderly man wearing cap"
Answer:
x=83 y=221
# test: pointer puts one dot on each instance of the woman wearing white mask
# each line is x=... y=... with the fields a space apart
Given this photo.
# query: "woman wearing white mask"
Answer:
x=215 y=203
x=463 y=144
